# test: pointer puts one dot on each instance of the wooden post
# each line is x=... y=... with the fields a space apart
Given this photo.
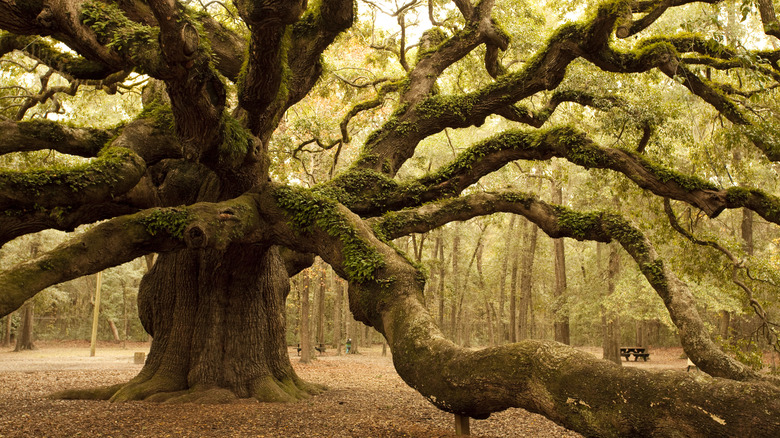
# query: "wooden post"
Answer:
x=95 y=314
x=462 y=425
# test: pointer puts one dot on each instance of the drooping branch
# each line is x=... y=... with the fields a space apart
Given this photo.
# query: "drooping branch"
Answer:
x=542 y=377
x=122 y=239
x=772 y=336
x=559 y=222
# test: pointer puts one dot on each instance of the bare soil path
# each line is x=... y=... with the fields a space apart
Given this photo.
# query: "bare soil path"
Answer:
x=366 y=399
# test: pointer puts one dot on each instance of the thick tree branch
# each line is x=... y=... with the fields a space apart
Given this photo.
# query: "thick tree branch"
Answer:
x=369 y=193
x=766 y=9
x=66 y=64
x=276 y=79
x=45 y=134
x=113 y=173
x=122 y=239
x=422 y=115
x=20 y=222
x=559 y=222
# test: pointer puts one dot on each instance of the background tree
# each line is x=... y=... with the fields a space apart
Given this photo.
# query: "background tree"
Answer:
x=202 y=175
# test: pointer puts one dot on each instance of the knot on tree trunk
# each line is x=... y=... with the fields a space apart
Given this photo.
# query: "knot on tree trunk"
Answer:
x=195 y=236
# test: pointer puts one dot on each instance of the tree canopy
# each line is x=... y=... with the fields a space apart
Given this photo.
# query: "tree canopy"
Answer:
x=201 y=170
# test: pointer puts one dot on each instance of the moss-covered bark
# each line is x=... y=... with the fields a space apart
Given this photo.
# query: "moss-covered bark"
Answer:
x=125 y=238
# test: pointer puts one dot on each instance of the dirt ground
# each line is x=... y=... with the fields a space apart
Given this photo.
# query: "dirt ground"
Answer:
x=366 y=399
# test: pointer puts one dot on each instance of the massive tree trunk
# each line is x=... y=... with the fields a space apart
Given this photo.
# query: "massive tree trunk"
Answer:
x=218 y=326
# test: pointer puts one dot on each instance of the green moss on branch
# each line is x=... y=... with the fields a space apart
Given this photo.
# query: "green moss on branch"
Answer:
x=172 y=221
x=309 y=210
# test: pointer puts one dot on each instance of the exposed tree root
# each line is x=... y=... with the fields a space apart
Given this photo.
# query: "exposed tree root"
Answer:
x=159 y=390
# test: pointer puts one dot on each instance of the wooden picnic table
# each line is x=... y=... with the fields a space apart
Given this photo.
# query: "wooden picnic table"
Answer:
x=636 y=351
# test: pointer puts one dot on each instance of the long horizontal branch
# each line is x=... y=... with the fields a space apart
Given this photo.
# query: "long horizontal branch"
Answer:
x=381 y=194
x=67 y=64
x=20 y=222
x=113 y=173
x=46 y=134
x=122 y=239
x=559 y=222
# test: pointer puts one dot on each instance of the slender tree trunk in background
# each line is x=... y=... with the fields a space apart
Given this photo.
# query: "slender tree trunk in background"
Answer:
x=338 y=304
x=515 y=256
x=7 y=335
x=125 y=315
x=150 y=258
x=466 y=328
x=305 y=329
x=490 y=325
x=431 y=286
x=485 y=296
x=114 y=330
x=561 y=324
x=368 y=333
x=24 y=335
x=724 y=323
x=525 y=320
x=560 y=310
x=503 y=331
x=641 y=333
x=418 y=246
x=356 y=335
x=747 y=231
x=456 y=288
x=609 y=319
x=442 y=284
x=319 y=306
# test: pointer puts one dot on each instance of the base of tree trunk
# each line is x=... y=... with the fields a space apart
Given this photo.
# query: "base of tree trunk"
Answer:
x=218 y=331
x=266 y=390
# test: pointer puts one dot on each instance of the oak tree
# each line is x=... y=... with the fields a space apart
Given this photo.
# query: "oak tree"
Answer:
x=192 y=178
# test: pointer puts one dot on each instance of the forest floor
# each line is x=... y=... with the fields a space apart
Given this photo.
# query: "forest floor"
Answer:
x=366 y=399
